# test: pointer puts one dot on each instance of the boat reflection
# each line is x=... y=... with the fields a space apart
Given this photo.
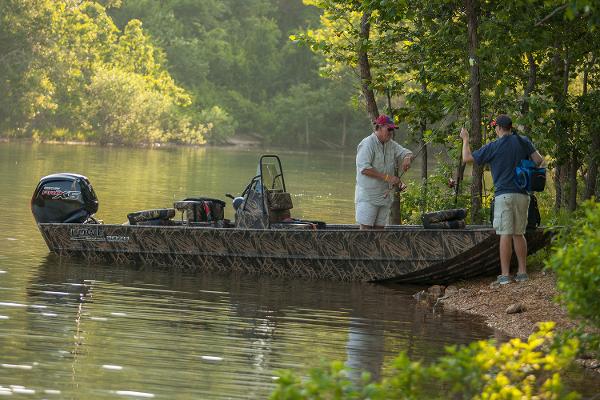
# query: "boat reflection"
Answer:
x=224 y=335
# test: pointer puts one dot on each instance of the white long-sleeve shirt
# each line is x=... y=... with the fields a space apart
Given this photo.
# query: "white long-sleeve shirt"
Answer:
x=371 y=153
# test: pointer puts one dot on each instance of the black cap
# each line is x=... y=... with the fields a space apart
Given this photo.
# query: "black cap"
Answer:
x=503 y=121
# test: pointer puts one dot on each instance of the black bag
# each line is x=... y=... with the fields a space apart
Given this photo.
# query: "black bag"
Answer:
x=534 y=218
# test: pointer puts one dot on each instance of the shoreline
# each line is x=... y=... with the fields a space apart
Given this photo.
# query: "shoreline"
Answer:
x=241 y=141
x=535 y=298
x=537 y=295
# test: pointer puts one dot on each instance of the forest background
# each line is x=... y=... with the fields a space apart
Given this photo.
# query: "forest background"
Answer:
x=312 y=73
x=182 y=71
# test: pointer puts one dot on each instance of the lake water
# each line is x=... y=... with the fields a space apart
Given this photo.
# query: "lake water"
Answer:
x=72 y=330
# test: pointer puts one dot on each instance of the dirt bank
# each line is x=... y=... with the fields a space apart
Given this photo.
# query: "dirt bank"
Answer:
x=536 y=298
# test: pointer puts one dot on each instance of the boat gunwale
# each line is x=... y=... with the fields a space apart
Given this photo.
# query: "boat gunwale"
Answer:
x=333 y=228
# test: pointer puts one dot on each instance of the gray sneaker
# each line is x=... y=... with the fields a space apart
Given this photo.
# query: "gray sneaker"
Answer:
x=521 y=277
x=503 y=280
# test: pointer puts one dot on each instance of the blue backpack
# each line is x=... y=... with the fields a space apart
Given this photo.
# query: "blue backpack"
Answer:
x=528 y=176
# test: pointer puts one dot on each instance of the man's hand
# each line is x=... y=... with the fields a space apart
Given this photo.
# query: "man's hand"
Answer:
x=467 y=156
x=393 y=180
x=406 y=162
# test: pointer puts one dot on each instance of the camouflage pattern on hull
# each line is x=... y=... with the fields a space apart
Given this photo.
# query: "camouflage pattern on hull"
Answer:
x=340 y=252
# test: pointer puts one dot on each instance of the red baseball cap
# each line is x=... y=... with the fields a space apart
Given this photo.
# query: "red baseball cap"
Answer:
x=385 y=120
x=502 y=121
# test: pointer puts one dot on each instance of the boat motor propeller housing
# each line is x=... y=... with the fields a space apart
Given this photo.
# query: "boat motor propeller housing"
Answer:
x=64 y=198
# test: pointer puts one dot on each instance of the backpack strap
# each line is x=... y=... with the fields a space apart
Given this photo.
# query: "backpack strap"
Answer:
x=523 y=144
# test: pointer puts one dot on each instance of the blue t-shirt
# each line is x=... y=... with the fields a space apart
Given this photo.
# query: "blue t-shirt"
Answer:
x=503 y=155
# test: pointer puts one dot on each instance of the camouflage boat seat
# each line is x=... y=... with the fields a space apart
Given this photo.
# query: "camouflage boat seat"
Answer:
x=279 y=204
x=201 y=209
x=161 y=216
x=445 y=219
x=279 y=200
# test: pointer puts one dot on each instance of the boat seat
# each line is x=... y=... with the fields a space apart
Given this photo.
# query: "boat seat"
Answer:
x=445 y=219
x=279 y=200
x=201 y=209
x=280 y=204
x=160 y=216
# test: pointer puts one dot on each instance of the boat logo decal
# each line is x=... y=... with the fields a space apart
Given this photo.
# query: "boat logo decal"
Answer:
x=92 y=233
x=117 y=238
x=58 y=194
x=95 y=234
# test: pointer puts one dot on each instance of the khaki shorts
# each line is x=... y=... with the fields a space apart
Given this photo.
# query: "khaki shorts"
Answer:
x=369 y=214
x=510 y=213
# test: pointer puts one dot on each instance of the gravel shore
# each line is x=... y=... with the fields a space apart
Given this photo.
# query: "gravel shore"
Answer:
x=516 y=308
x=536 y=298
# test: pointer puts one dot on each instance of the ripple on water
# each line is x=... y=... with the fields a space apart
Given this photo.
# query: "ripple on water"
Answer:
x=131 y=393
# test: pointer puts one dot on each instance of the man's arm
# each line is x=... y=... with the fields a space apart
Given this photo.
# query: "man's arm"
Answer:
x=467 y=156
x=404 y=154
x=363 y=163
x=373 y=173
x=406 y=161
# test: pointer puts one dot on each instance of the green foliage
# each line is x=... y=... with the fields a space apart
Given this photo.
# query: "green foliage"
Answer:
x=438 y=194
x=482 y=370
x=237 y=56
x=220 y=125
x=78 y=76
x=575 y=261
x=122 y=108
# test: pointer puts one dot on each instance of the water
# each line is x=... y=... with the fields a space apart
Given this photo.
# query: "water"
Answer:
x=70 y=330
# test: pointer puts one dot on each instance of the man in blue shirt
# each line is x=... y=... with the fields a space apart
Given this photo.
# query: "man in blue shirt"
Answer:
x=511 y=203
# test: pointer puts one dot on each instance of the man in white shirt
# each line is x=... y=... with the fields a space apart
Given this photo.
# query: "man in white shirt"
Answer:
x=376 y=158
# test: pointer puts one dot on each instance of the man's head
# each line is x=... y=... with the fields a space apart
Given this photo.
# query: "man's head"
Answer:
x=502 y=124
x=384 y=128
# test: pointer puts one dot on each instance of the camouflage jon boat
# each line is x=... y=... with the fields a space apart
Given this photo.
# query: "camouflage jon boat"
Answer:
x=262 y=239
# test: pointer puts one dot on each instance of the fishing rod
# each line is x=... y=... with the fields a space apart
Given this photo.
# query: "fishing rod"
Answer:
x=460 y=170
x=387 y=192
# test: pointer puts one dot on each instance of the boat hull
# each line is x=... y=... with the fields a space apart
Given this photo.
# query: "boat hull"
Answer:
x=341 y=252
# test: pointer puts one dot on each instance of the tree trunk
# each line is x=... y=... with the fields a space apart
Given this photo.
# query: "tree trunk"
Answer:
x=396 y=210
x=365 y=67
x=530 y=84
x=593 y=155
x=573 y=167
x=563 y=151
x=592 y=175
x=424 y=174
x=423 y=128
x=558 y=187
x=569 y=162
x=306 y=133
x=344 y=133
x=472 y=10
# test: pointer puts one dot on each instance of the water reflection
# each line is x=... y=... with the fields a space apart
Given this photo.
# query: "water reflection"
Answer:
x=215 y=336
x=364 y=349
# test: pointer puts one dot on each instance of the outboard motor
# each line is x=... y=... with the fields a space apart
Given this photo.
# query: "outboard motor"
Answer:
x=66 y=198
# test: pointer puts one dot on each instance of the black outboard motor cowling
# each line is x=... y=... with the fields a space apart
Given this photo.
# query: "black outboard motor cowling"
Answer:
x=66 y=197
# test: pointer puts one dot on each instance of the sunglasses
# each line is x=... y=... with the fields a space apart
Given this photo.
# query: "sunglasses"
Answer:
x=390 y=129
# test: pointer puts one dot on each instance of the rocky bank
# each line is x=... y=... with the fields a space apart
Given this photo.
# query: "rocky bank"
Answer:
x=514 y=309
